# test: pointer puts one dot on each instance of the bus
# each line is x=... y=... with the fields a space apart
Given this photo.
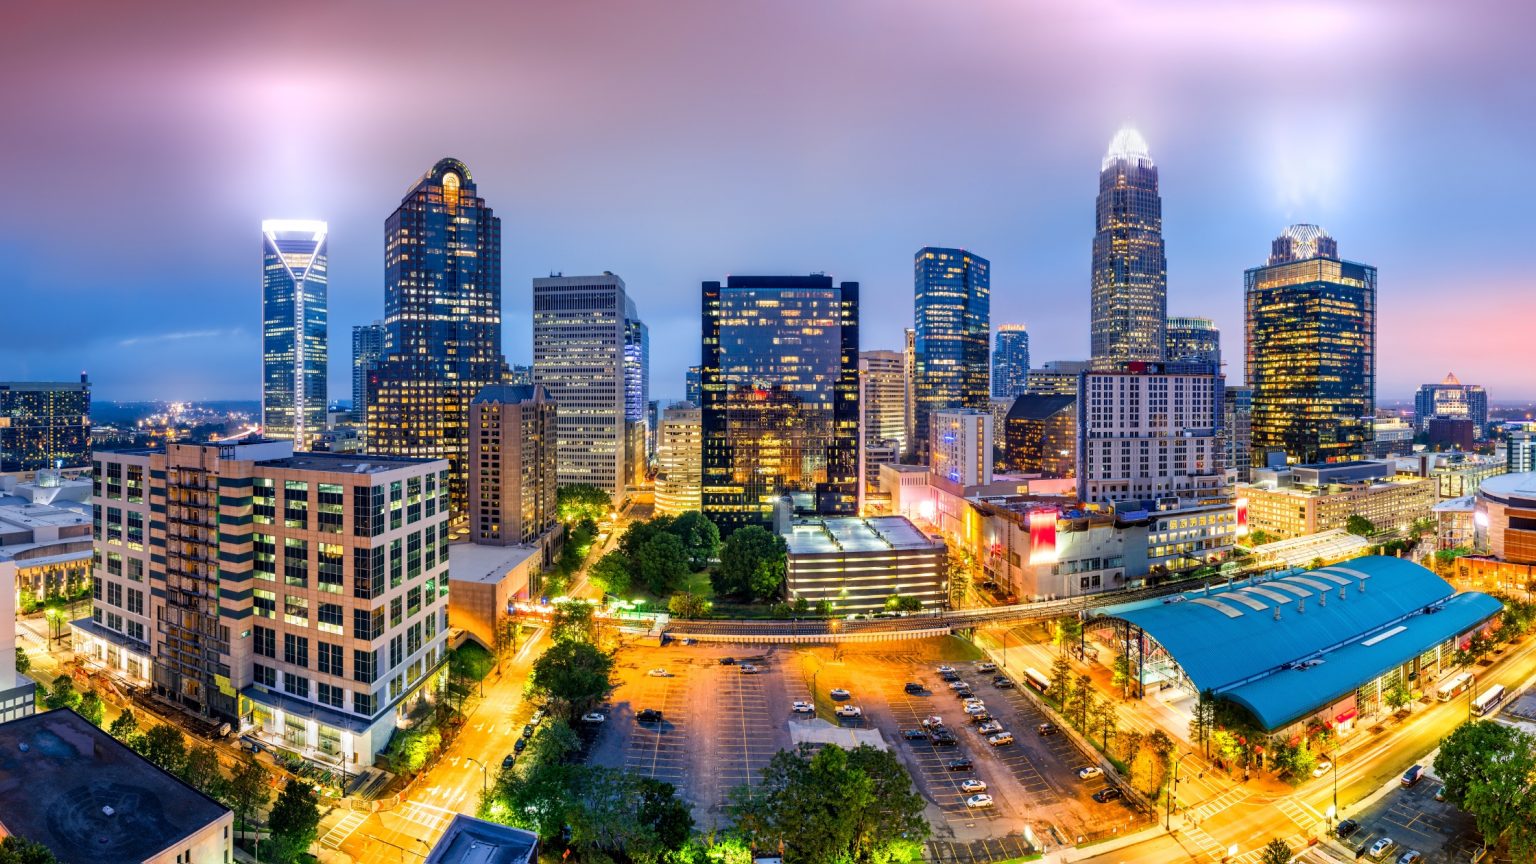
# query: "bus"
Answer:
x=1491 y=699
x=1033 y=678
x=1455 y=687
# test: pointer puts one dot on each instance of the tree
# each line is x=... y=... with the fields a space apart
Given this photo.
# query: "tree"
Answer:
x=574 y=621
x=23 y=662
x=1465 y=753
x=580 y=502
x=1085 y=698
x=574 y=676
x=1061 y=681
x=1202 y=721
x=1501 y=796
x=409 y=749
x=1121 y=674
x=1066 y=631
x=295 y=820
x=687 y=604
x=1228 y=749
x=1162 y=748
x=700 y=536
x=899 y=603
x=662 y=564
x=63 y=694
x=125 y=727
x=165 y=746
x=611 y=574
x=1131 y=744
x=92 y=708
x=201 y=771
x=639 y=532
x=247 y=790
x=1397 y=696
x=1105 y=719
x=1276 y=851
x=1359 y=525
x=664 y=813
x=752 y=564
x=15 y=850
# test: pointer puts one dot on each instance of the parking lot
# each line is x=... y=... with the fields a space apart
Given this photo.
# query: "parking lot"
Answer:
x=1413 y=819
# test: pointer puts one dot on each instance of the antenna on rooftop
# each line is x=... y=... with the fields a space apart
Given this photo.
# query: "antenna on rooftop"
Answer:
x=1322 y=599
x=1342 y=592
x=1301 y=605
x=1277 y=613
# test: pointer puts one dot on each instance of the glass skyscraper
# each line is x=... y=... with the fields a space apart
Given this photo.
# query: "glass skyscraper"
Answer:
x=367 y=349
x=442 y=322
x=1010 y=361
x=44 y=424
x=952 y=292
x=780 y=382
x=1130 y=272
x=294 y=345
x=1194 y=340
x=1311 y=349
x=637 y=394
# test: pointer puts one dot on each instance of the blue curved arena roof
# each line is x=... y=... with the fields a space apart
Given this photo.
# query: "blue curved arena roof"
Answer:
x=1291 y=643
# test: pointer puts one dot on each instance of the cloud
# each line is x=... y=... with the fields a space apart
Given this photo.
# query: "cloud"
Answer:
x=178 y=336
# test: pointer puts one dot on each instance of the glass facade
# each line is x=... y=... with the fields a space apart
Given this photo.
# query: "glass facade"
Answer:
x=1311 y=349
x=1130 y=272
x=43 y=424
x=1010 y=362
x=1194 y=340
x=294 y=320
x=780 y=387
x=953 y=324
x=367 y=349
x=442 y=323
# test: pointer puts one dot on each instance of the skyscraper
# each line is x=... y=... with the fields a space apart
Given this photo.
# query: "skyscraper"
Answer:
x=367 y=348
x=294 y=344
x=1237 y=431
x=952 y=312
x=1194 y=340
x=1010 y=361
x=1311 y=349
x=1130 y=272
x=781 y=396
x=679 y=455
x=909 y=368
x=442 y=321
x=512 y=486
x=580 y=343
x=637 y=393
x=45 y=423
x=883 y=396
x=1451 y=400
x=692 y=386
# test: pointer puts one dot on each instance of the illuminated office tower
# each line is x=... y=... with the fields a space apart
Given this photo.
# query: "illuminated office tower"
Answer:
x=1452 y=400
x=692 y=386
x=442 y=321
x=909 y=369
x=883 y=396
x=293 y=335
x=637 y=394
x=961 y=447
x=44 y=424
x=512 y=486
x=952 y=312
x=1237 y=431
x=580 y=337
x=1194 y=340
x=1010 y=362
x=679 y=455
x=1311 y=349
x=367 y=349
x=781 y=397
x=1130 y=272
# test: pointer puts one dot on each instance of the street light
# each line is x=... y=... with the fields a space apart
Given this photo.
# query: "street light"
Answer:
x=483 y=770
x=1173 y=793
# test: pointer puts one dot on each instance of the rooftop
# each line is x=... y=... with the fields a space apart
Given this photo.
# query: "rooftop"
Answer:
x=475 y=841
x=345 y=463
x=471 y=562
x=1521 y=485
x=72 y=787
x=1036 y=407
x=853 y=534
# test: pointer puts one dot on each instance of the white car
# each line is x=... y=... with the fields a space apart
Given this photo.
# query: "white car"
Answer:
x=1000 y=739
x=979 y=801
x=990 y=727
x=945 y=670
x=973 y=785
x=803 y=707
x=593 y=717
x=933 y=722
x=975 y=709
x=1323 y=767
x=659 y=673
x=959 y=685
x=986 y=667
x=849 y=711
x=840 y=693
x=1089 y=772
x=748 y=669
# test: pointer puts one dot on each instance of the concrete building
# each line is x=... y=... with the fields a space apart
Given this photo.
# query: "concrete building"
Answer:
x=1148 y=431
x=1457 y=433
x=44 y=424
x=1452 y=400
x=78 y=791
x=883 y=397
x=484 y=582
x=1041 y=435
x=1056 y=378
x=1307 y=499
x=18 y=694
x=45 y=549
x=1041 y=549
x=858 y=563
x=475 y=841
x=1455 y=473
x=960 y=446
x=1392 y=437
x=512 y=485
x=1237 y=432
x=679 y=460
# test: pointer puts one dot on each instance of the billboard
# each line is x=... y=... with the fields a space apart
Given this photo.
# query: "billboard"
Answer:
x=1042 y=537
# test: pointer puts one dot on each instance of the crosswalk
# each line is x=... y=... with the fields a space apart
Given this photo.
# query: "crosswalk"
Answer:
x=1206 y=842
x=1210 y=808
x=1305 y=818
x=343 y=829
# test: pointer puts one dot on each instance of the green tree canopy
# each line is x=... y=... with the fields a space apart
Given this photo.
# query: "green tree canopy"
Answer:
x=247 y=790
x=63 y=694
x=903 y=603
x=580 y=502
x=1359 y=525
x=700 y=536
x=1276 y=851
x=611 y=573
x=23 y=662
x=1465 y=755
x=295 y=820
x=687 y=604
x=574 y=621
x=201 y=771
x=165 y=746
x=92 y=708
x=574 y=676
x=15 y=850
x=638 y=532
x=661 y=563
x=752 y=564
x=125 y=726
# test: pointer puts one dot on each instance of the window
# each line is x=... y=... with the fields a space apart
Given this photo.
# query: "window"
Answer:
x=136 y=601
x=135 y=531
x=431 y=547
x=96 y=514
x=295 y=650
x=395 y=500
x=265 y=642
x=295 y=562
x=115 y=563
x=266 y=675
x=330 y=508
x=396 y=612
x=367 y=624
x=298 y=685
x=136 y=631
x=329 y=576
x=115 y=594
x=413 y=555
x=263 y=501
x=368 y=572
x=325 y=694
x=330 y=617
x=413 y=500
x=413 y=601
x=329 y=658
x=364 y=665
x=396 y=565
x=413 y=638
x=115 y=621
x=135 y=570
x=135 y=484
x=295 y=504
x=114 y=524
x=363 y=703
x=264 y=556
x=115 y=480
x=296 y=609
x=264 y=603
x=396 y=651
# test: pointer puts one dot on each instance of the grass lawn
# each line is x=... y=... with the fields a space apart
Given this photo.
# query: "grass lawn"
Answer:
x=472 y=661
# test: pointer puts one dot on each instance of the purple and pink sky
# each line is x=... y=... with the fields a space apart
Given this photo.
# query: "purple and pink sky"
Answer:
x=675 y=142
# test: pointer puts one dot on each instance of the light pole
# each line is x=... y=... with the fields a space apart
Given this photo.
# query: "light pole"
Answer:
x=483 y=770
x=1333 y=809
x=1173 y=793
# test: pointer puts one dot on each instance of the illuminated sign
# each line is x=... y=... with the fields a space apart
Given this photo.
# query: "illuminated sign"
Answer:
x=1242 y=517
x=1042 y=537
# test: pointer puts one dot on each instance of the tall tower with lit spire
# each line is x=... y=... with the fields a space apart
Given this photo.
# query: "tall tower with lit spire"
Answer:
x=1130 y=271
x=294 y=329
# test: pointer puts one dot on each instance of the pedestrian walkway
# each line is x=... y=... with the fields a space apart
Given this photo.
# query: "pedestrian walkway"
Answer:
x=1207 y=809
x=1206 y=842
x=343 y=829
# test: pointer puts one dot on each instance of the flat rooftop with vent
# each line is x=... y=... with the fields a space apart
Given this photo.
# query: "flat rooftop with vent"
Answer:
x=857 y=564
x=72 y=787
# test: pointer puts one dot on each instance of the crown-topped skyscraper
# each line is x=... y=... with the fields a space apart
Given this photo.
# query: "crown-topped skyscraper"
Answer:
x=1130 y=272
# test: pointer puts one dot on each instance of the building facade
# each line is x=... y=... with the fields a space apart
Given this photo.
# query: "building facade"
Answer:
x=960 y=446
x=295 y=346
x=1149 y=431
x=1194 y=340
x=679 y=460
x=442 y=321
x=1237 y=431
x=1309 y=499
x=1129 y=306
x=952 y=290
x=637 y=395
x=44 y=424
x=1452 y=400
x=1520 y=451
x=367 y=349
x=1010 y=361
x=1056 y=378
x=1311 y=349
x=1042 y=435
x=1390 y=436
x=781 y=397
x=883 y=397
x=512 y=477
x=693 y=386
x=857 y=564
x=1506 y=518
x=580 y=336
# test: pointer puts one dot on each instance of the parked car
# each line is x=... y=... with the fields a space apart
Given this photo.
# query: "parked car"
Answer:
x=1002 y=682
x=727 y=661
x=946 y=670
x=986 y=667
x=1089 y=772
x=959 y=685
x=537 y=718
x=914 y=689
x=1380 y=848
x=849 y=711
x=803 y=707
x=508 y=760
x=961 y=764
x=649 y=715
x=914 y=734
x=933 y=721
x=1346 y=828
x=1000 y=739
x=519 y=745
x=1107 y=794
x=659 y=673
x=840 y=693
x=979 y=802
x=971 y=784
x=1323 y=767
x=749 y=669
x=1412 y=856
x=528 y=730
x=975 y=709
x=966 y=693
x=593 y=717
x=943 y=738
x=990 y=727
x=1413 y=775
x=981 y=719
x=1440 y=794
x=1046 y=729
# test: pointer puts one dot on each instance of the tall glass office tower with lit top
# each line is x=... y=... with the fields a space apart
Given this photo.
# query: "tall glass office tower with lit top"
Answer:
x=1311 y=349
x=1010 y=361
x=442 y=322
x=952 y=318
x=294 y=320
x=1130 y=272
x=780 y=382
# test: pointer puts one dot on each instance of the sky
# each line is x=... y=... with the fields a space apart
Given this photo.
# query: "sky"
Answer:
x=678 y=142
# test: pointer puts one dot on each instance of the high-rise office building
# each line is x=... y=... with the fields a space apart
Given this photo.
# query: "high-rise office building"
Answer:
x=1237 y=431
x=781 y=396
x=693 y=386
x=1042 y=435
x=952 y=292
x=1194 y=340
x=1452 y=400
x=1010 y=361
x=442 y=321
x=44 y=424
x=304 y=594
x=512 y=481
x=1311 y=349
x=883 y=396
x=580 y=339
x=294 y=344
x=960 y=446
x=679 y=459
x=367 y=349
x=637 y=394
x=909 y=369
x=1150 y=430
x=1129 y=306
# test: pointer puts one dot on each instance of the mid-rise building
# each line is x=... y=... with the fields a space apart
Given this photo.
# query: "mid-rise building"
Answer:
x=1042 y=435
x=857 y=564
x=1129 y=307
x=1056 y=378
x=1307 y=499
x=442 y=320
x=1452 y=400
x=1311 y=349
x=883 y=396
x=1194 y=340
x=1237 y=431
x=1010 y=361
x=295 y=346
x=1150 y=431
x=300 y=597
x=960 y=446
x=18 y=693
x=692 y=386
x=952 y=314
x=1506 y=518
x=580 y=338
x=367 y=349
x=45 y=550
x=44 y=424
x=1520 y=450
x=781 y=397
x=1390 y=436
x=1457 y=433
x=1455 y=473
x=512 y=476
x=679 y=460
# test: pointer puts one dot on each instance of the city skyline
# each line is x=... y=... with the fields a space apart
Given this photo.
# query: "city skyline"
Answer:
x=1235 y=170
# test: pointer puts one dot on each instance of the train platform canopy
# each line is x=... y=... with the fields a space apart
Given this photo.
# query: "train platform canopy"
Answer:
x=1288 y=644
